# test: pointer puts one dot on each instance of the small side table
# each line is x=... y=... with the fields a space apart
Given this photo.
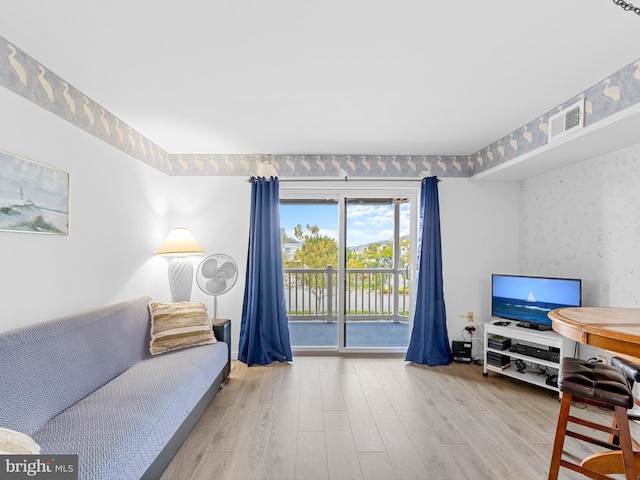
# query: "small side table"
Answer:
x=222 y=332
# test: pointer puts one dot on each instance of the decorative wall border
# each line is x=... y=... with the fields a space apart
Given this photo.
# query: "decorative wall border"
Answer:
x=25 y=76
x=617 y=92
x=338 y=166
x=22 y=74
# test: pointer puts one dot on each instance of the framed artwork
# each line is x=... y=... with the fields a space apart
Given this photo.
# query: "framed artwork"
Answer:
x=34 y=198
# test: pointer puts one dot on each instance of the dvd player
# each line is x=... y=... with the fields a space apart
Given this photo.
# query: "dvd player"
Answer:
x=551 y=354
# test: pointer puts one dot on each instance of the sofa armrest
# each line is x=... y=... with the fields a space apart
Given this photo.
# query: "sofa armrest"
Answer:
x=222 y=332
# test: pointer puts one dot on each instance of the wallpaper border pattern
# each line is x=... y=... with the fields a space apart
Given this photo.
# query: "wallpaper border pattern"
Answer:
x=22 y=74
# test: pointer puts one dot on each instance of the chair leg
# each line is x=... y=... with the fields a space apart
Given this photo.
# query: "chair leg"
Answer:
x=561 y=430
x=615 y=440
x=625 y=443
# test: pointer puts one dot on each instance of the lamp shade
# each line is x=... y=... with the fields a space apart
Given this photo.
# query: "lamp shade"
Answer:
x=180 y=243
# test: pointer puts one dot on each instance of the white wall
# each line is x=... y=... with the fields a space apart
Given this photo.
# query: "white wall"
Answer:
x=118 y=209
x=479 y=236
x=121 y=211
x=479 y=223
x=584 y=221
x=216 y=210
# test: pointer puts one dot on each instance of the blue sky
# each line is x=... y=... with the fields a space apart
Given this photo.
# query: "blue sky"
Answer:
x=365 y=223
x=44 y=186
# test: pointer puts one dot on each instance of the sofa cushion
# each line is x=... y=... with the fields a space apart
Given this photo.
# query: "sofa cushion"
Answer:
x=120 y=429
x=179 y=325
x=48 y=367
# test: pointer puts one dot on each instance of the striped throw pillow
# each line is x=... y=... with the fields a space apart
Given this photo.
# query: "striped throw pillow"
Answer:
x=179 y=325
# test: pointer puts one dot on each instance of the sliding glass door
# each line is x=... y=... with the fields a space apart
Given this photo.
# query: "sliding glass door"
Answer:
x=377 y=283
x=348 y=260
x=310 y=257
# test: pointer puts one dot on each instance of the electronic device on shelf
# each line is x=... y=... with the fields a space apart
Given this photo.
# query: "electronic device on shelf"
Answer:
x=498 y=342
x=543 y=352
x=498 y=360
x=501 y=323
x=527 y=300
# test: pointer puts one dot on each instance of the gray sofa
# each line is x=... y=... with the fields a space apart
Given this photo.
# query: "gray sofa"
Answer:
x=87 y=385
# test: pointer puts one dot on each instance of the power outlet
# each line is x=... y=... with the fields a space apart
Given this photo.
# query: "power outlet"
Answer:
x=468 y=316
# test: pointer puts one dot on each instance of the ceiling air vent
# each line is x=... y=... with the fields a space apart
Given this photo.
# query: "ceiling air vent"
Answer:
x=567 y=120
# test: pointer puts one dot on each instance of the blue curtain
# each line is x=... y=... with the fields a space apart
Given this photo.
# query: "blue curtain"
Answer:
x=264 y=329
x=429 y=343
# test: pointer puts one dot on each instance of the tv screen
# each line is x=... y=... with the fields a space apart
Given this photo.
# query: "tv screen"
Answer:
x=528 y=300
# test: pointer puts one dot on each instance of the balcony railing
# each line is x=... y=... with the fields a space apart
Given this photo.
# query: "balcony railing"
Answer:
x=371 y=294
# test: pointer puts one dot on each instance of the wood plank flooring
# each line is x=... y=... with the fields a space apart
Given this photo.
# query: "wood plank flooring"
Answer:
x=333 y=417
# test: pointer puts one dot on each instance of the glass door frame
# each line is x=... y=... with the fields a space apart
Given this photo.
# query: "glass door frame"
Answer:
x=341 y=191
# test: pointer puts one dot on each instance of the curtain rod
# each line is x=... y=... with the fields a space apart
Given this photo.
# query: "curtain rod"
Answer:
x=346 y=179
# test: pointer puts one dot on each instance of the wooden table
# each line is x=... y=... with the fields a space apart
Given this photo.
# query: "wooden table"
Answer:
x=614 y=329
x=609 y=328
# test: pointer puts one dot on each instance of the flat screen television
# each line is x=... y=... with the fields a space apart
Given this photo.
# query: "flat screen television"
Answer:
x=528 y=300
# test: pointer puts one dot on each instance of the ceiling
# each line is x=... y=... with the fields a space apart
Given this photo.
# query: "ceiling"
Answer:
x=386 y=77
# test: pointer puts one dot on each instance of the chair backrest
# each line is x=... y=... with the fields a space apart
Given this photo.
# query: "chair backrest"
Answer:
x=629 y=368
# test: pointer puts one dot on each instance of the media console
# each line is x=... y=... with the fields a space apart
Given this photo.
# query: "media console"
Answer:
x=504 y=345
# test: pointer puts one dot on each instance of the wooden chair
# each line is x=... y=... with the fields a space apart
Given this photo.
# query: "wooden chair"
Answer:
x=632 y=371
x=603 y=386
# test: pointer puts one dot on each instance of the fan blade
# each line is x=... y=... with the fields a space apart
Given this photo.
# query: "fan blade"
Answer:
x=209 y=267
x=229 y=269
x=215 y=286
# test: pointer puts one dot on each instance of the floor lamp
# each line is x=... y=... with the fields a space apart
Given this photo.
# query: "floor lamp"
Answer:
x=180 y=244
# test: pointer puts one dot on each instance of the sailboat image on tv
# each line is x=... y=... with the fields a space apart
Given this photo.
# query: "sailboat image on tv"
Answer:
x=513 y=298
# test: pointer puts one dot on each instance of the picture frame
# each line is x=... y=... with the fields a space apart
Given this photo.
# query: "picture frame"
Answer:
x=34 y=198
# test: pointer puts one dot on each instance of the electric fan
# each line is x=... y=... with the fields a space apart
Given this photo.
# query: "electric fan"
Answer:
x=216 y=275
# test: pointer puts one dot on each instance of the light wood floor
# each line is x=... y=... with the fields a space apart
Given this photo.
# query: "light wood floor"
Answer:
x=336 y=417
